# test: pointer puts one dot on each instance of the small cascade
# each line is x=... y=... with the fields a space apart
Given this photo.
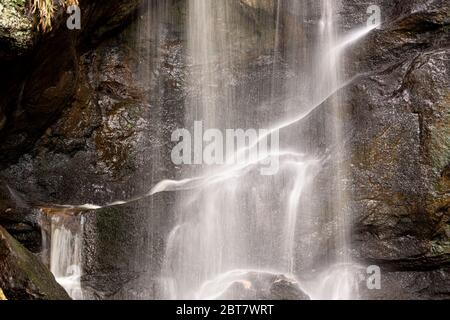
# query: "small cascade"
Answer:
x=63 y=237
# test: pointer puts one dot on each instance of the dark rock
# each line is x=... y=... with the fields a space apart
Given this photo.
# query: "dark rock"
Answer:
x=116 y=136
x=23 y=276
x=81 y=120
x=112 y=251
x=16 y=29
x=31 y=96
x=286 y=289
x=411 y=285
x=398 y=128
x=20 y=220
x=42 y=77
x=255 y=286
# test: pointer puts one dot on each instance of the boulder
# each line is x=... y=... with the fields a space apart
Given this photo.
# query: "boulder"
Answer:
x=23 y=276
x=252 y=285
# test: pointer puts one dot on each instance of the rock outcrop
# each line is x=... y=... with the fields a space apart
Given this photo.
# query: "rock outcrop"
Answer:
x=23 y=276
x=398 y=114
x=81 y=120
x=31 y=98
x=51 y=80
x=19 y=219
x=252 y=285
x=115 y=133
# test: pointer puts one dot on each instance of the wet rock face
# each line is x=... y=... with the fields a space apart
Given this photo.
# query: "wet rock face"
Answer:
x=116 y=136
x=257 y=9
x=24 y=227
x=108 y=125
x=19 y=219
x=36 y=88
x=398 y=114
x=82 y=121
x=23 y=276
x=31 y=98
x=62 y=101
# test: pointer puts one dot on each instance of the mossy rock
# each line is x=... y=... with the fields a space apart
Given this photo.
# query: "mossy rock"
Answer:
x=23 y=276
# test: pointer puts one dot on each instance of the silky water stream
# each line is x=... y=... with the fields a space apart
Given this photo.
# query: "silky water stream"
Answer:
x=249 y=210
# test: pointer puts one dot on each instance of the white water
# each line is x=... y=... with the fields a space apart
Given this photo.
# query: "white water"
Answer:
x=230 y=219
x=249 y=222
x=65 y=253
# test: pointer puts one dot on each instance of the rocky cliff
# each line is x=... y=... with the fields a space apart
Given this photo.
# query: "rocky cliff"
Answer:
x=82 y=121
x=399 y=136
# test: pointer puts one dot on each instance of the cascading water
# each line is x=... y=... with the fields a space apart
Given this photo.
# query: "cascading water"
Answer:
x=250 y=223
x=64 y=241
x=233 y=223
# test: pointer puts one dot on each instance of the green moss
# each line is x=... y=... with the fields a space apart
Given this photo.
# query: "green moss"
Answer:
x=28 y=271
x=113 y=227
x=440 y=248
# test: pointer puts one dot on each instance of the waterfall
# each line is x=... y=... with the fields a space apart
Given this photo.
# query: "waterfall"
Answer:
x=233 y=223
x=194 y=252
x=63 y=237
x=248 y=222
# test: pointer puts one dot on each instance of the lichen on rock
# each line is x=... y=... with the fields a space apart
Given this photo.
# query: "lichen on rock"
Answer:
x=16 y=28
